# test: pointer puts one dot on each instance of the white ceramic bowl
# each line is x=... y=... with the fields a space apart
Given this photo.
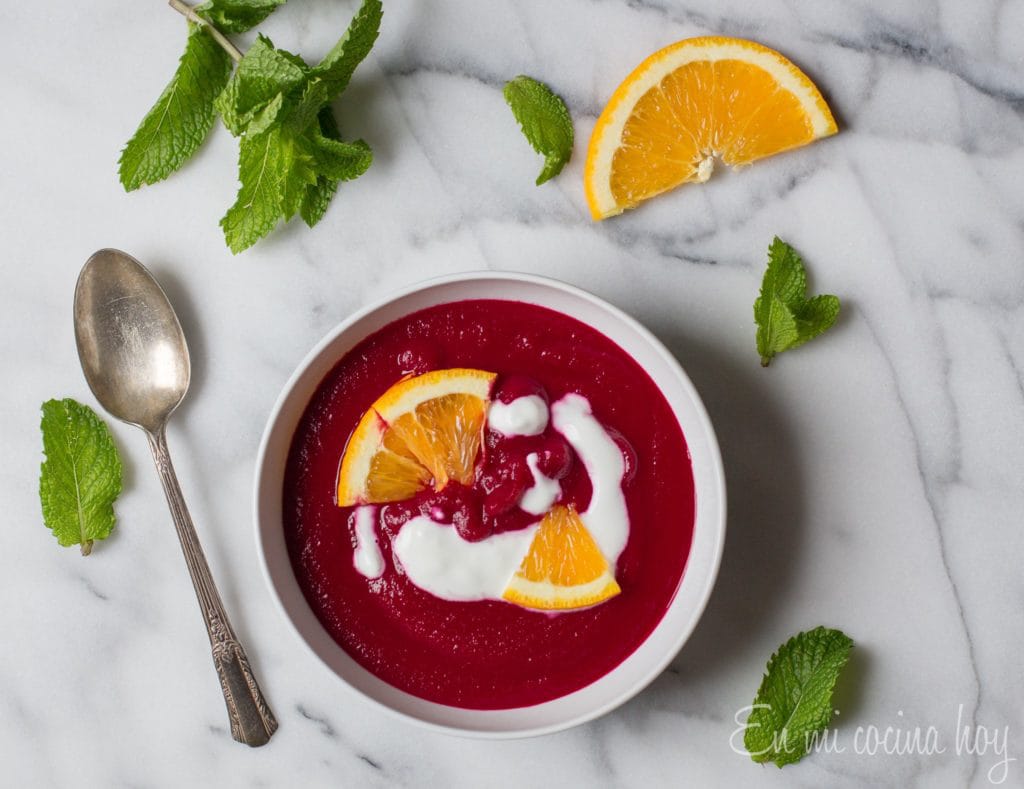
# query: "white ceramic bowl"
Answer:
x=629 y=677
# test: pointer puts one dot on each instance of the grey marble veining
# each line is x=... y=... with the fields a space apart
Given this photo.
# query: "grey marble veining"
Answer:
x=875 y=475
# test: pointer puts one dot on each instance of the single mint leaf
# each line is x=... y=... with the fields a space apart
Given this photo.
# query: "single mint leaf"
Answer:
x=237 y=16
x=298 y=172
x=545 y=121
x=338 y=65
x=318 y=196
x=785 y=317
x=313 y=99
x=334 y=160
x=266 y=117
x=341 y=161
x=262 y=74
x=81 y=475
x=181 y=118
x=794 y=702
x=315 y=201
x=258 y=206
x=815 y=316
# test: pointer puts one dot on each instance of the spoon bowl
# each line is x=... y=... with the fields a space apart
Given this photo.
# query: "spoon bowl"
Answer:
x=132 y=348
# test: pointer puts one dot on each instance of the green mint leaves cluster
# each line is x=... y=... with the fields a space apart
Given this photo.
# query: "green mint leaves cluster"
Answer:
x=81 y=475
x=291 y=153
x=545 y=122
x=794 y=702
x=784 y=315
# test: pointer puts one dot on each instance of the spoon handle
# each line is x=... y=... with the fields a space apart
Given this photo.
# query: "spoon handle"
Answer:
x=252 y=722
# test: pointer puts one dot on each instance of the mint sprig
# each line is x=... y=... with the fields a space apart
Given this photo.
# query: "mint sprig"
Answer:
x=794 y=701
x=545 y=122
x=785 y=317
x=291 y=154
x=81 y=475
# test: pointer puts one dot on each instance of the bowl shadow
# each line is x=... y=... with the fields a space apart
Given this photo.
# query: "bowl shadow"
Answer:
x=763 y=534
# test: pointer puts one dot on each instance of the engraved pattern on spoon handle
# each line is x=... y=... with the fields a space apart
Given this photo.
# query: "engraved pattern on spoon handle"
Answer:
x=252 y=722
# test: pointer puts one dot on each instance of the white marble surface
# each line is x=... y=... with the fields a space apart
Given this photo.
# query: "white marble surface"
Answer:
x=875 y=476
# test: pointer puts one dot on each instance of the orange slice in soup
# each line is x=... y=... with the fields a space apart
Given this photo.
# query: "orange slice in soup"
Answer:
x=425 y=430
x=564 y=568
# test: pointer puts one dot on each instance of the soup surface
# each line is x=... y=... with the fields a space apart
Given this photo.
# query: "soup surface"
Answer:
x=489 y=654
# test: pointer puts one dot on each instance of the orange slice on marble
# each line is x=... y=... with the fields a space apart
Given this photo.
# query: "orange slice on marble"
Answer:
x=691 y=104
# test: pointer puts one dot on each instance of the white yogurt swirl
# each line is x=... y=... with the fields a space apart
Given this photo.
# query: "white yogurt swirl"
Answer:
x=439 y=561
x=367 y=558
x=606 y=518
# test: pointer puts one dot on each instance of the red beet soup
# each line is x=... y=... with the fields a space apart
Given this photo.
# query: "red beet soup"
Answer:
x=489 y=654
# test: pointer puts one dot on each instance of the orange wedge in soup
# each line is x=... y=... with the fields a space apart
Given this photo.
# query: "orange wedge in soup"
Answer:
x=564 y=567
x=424 y=431
x=690 y=104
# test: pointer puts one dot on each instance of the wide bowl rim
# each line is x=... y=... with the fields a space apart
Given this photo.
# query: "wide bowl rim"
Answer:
x=716 y=519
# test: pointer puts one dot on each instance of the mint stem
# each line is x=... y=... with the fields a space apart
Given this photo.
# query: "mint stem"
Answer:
x=189 y=13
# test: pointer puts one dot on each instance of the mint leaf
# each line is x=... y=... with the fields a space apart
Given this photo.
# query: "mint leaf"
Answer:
x=237 y=16
x=336 y=161
x=545 y=121
x=341 y=161
x=298 y=172
x=313 y=99
x=266 y=117
x=258 y=205
x=794 y=701
x=262 y=74
x=181 y=118
x=785 y=318
x=81 y=476
x=318 y=197
x=338 y=65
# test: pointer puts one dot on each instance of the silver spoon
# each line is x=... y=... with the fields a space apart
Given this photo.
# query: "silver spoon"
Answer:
x=135 y=359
